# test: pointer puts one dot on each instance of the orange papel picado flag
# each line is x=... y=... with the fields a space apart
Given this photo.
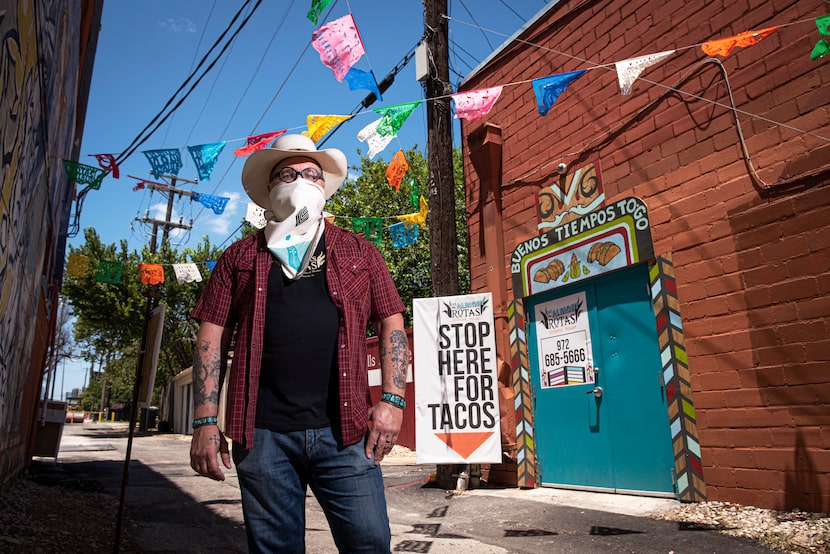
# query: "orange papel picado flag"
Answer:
x=397 y=169
x=724 y=46
x=151 y=274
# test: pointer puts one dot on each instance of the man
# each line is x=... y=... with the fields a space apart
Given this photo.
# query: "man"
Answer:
x=299 y=294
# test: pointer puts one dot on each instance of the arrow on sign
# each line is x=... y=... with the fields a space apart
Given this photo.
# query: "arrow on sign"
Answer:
x=464 y=443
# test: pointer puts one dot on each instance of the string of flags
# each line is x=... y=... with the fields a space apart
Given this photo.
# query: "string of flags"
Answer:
x=340 y=47
x=822 y=47
x=150 y=274
x=403 y=233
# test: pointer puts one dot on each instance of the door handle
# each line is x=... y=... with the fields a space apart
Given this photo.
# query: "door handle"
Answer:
x=597 y=392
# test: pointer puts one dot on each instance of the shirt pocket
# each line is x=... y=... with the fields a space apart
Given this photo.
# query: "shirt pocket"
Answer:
x=245 y=289
x=354 y=278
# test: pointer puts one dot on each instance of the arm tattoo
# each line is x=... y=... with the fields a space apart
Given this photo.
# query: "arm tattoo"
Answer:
x=398 y=349
x=206 y=371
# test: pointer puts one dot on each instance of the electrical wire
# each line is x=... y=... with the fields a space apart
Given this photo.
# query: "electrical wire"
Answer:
x=265 y=111
x=366 y=102
x=670 y=90
x=463 y=5
x=259 y=66
x=192 y=63
x=506 y=5
x=187 y=79
x=285 y=80
x=147 y=132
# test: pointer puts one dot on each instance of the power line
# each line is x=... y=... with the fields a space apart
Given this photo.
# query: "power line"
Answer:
x=147 y=132
x=193 y=61
x=383 y=86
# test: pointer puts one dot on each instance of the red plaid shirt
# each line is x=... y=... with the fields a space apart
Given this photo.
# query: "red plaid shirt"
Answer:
x=361 y=288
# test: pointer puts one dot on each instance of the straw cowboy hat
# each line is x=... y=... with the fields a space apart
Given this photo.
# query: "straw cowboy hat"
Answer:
x=256 y=172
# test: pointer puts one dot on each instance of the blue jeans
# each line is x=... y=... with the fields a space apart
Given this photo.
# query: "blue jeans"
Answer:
x=275 y=474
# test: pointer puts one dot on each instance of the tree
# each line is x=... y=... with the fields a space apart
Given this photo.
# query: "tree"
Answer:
x=63 y=347
x=370 y=195
x=110 y=316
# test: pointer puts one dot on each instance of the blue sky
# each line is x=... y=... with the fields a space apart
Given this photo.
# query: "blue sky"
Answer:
x=269 y=79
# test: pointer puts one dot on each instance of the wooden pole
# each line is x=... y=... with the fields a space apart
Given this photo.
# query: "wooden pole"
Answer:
x=443 y=246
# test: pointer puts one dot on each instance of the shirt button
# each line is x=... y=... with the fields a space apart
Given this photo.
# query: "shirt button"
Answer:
x=342 y=346
x=344 y=374
x=345 y=403
x=334 y=293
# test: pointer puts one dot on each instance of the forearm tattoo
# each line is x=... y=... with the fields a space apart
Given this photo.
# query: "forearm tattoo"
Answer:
x=397 y=350
x=206 y=371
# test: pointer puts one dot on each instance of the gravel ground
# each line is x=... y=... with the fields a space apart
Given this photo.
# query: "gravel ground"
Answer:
x=56 y=520
x=789 y=531
x=53 y=518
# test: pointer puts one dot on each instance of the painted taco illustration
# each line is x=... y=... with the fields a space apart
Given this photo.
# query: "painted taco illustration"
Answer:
x=549 y=273
x=603 y=252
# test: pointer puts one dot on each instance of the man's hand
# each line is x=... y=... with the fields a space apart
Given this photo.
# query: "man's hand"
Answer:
x=384 y=424
x=207 y=442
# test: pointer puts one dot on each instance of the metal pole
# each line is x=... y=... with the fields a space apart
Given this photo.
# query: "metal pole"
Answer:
x=151 y=293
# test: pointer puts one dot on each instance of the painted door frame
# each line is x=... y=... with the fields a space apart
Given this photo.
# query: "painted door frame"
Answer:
x=691 y=486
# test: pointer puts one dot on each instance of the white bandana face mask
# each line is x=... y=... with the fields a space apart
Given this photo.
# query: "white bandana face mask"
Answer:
x=295 y=222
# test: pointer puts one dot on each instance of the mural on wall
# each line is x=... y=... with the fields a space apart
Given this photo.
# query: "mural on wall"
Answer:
x=583 y=193
x=18 y=70
x=29 y=201
x=612 y=237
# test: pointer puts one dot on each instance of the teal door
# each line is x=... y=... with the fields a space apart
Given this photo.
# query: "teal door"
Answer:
x=601 y=418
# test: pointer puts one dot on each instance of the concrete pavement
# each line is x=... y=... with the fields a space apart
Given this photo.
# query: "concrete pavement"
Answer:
x=175 y=510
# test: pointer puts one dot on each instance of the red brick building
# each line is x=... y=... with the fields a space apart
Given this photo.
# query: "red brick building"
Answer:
x=712 y=180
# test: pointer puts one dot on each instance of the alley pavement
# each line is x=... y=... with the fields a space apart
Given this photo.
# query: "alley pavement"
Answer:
x=176 y=510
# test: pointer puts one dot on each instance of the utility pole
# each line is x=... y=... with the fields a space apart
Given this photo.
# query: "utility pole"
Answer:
x=166 y=224
x=443 y=246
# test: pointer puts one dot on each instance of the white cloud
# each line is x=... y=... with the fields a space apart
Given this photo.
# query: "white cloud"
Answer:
x=159 y=213
x=352 y=175
x=219 y=227
x=178 y=25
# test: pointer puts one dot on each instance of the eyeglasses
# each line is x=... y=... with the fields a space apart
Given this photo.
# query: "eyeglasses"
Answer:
x=289 y=174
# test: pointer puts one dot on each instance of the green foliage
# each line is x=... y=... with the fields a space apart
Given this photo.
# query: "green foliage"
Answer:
x=109 y=317
x=370 y=195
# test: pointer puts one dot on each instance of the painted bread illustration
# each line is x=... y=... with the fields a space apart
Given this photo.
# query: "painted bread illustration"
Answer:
x=603 y=252
x=551 y=272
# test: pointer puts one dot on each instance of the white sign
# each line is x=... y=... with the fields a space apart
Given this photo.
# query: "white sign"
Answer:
x=456 y=380
x=563 y=339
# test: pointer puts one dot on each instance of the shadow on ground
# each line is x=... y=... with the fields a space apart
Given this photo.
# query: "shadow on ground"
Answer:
x=158 y=515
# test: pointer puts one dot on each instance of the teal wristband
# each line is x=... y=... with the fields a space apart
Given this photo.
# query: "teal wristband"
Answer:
x=394 y=399
x=202 y=421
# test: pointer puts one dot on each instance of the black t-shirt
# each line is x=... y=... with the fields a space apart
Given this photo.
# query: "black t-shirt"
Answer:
x=298 y=381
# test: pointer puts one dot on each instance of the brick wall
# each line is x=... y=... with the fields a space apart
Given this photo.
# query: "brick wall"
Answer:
x=752 y=263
